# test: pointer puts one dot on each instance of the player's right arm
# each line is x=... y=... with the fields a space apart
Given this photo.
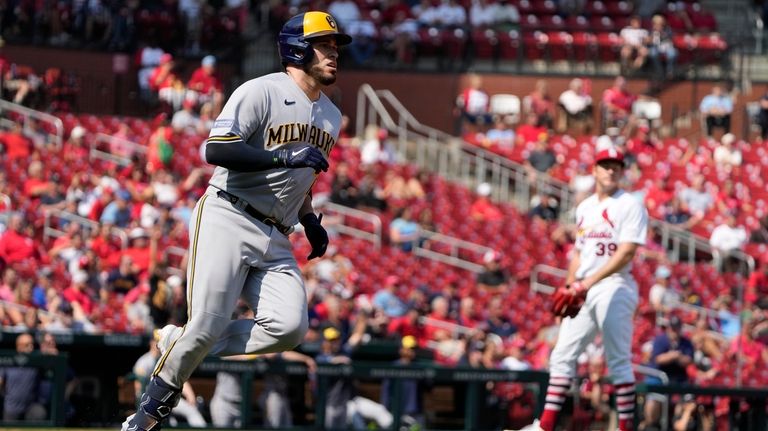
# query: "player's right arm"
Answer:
x=227 y=145
x=573 y=266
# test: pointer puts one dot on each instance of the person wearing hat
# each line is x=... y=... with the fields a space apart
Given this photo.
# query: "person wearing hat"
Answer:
x=727 y=155
x=600 y=295
x=662 y=295
x=411 y=406
x=205 y=85
x=493 y=276
x=672 y=353
x=344 y=408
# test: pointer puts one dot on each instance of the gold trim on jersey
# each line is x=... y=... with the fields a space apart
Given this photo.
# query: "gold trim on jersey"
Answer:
x=225 y=138
x=190 y=285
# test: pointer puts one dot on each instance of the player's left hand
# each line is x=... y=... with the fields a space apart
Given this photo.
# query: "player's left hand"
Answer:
x=316 y=234
x=568 y=300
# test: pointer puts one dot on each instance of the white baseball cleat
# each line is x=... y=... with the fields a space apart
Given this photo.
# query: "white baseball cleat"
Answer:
x=165 y=337
x=532 y=427
x=125 y=424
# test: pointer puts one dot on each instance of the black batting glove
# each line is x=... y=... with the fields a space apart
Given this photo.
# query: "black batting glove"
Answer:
x=316 y=234
x=301 y=157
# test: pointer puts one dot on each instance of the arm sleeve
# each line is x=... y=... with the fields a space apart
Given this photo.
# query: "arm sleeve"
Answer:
x=227 y=144
x=231 y=152
x=634 y=224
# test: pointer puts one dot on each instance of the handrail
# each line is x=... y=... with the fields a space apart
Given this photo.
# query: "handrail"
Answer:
x=49 y=230
x=537 y=286
x=108 y=156
x=42 y=116
x=449 y=156
x=344 y=211
x=662 y=376
x=423 y=249
x=454 y=328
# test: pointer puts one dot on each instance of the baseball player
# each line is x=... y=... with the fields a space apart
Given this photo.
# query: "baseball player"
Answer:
x=269 y=143
x=600 y=293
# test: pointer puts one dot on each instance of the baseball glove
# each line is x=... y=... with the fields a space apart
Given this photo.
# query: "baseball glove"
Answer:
x=567 y=301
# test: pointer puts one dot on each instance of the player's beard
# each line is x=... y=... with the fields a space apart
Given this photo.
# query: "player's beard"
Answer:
x=316 y=72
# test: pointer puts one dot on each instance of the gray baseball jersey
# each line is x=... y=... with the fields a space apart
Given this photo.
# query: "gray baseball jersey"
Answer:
x=233 y=255
x=268 y=113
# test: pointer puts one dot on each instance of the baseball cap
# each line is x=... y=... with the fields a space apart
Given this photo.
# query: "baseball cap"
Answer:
x=609 y=154
x=124 y=194
x=409 y=342
x=663 y=272
x=484 y=189
x=77 y=132
x=209 y=60
x=491 y=256
x=330 y=333
x=137 y=232
x=166 y=58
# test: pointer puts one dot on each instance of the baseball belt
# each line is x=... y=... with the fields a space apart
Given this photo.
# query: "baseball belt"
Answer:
x=253 y=212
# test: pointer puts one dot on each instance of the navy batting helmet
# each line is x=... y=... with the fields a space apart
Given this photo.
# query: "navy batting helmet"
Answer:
x=295 y=37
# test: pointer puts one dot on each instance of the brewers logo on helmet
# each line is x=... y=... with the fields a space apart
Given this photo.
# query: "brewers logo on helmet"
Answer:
x=294 y=39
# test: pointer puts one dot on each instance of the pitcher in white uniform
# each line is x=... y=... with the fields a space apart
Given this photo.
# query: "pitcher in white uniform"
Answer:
x=611 y=225
x=269 y=143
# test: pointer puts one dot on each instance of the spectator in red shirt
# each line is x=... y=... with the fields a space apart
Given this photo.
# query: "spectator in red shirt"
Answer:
x=530 y=130
x=75 y=149
x=205 y=85
x=76 y=292
x=728 y=199
x=617 y=104
x=16 y=245
x=482 y=208
x=139 y=249
x=539 y=102
x=659 y=195
x=15 y=144
x=102 y=242
x=36 y=186
x=757 y=286
x=162 y=74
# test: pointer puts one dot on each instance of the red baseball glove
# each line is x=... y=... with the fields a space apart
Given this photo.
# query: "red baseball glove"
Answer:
x=567 y=301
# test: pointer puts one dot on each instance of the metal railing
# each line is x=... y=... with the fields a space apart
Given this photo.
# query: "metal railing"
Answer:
x=102 y=140
x=538 y=286
x=58 y=136
x=372 y=221
x=662 y=376
x=429 y=246
x=88 y=225
x=448 y=156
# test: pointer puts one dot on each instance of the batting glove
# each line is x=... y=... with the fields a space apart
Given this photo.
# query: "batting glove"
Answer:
x=301 y=157
x=316 y=234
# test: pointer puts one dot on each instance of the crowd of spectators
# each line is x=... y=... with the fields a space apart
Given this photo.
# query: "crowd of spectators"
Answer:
x=188 y=26
x=404 y=30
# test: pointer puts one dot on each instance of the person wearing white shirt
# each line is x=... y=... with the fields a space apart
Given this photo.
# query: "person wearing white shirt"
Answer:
x=726 y=155
x=696 y=197
x=452 y=14
x=577 y=105
x=633 y=39
x=726 y=239
x=483 y=14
